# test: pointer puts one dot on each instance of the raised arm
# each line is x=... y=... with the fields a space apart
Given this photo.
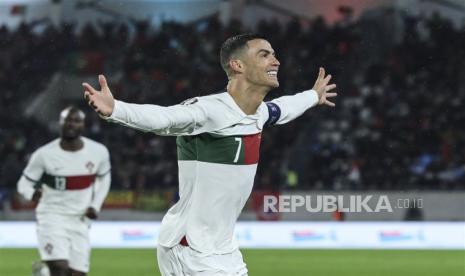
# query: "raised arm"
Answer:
x=182 y=119
x=285 y=109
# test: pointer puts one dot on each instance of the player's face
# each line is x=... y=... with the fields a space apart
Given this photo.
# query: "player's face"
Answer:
x=261 y=64
x=72 y=126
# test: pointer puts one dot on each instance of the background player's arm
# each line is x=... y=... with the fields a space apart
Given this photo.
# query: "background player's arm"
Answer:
x=102 y=183
x=171 y=120
x=102 y=187
x=287 y=108
x=31 y=176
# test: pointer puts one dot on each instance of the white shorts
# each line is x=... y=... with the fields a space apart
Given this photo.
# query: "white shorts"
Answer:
x=64 y=237
x=184 y=261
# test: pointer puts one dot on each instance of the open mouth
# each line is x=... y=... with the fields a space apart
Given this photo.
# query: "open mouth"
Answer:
x=272 y=73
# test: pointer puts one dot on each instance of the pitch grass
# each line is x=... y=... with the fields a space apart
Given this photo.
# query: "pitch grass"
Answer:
x=142 y=262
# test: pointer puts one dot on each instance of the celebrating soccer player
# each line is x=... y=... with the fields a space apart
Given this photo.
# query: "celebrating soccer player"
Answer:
x=218 y=140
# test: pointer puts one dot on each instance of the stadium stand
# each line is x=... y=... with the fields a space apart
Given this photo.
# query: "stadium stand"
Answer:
x=397 y=124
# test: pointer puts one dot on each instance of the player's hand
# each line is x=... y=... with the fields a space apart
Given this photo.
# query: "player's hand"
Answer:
x=36 y=196
x=101 y=101
x=322 y=88
x=91 y=213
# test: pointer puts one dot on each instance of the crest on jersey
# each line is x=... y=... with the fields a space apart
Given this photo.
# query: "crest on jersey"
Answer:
x=90 y=166
x=49 y=248
x=190 y=101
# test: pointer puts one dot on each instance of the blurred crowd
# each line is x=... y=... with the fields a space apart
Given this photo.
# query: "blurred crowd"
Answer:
x=396 y=125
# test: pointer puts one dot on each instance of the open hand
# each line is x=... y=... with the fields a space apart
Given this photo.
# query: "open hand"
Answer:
x=101 y=101
x=322 y=88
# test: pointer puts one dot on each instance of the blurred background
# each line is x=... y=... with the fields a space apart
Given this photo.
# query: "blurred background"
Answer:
x=397 y=130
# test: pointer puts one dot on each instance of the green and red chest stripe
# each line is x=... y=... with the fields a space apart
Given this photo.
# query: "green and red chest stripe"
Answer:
x=77 y=182
x=233 y=150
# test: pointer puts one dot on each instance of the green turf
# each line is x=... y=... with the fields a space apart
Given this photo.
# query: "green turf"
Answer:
x=141 y=262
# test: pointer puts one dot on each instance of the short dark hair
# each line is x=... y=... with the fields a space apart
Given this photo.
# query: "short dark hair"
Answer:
x=232 y=45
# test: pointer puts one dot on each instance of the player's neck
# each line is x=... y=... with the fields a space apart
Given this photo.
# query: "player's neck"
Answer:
x=74 y=144
x=248 y=97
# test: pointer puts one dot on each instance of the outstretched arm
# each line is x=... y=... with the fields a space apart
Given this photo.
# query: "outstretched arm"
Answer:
x=287 y=108
x=172 y=120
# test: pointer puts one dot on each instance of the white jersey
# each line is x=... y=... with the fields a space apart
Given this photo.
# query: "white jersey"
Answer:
x=218 y=152
x=71 y=181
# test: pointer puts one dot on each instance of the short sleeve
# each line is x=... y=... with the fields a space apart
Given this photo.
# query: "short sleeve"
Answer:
x=35 y=167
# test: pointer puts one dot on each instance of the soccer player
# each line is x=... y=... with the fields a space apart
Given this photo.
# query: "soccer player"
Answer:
x=69 y=178
x=218 y=140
